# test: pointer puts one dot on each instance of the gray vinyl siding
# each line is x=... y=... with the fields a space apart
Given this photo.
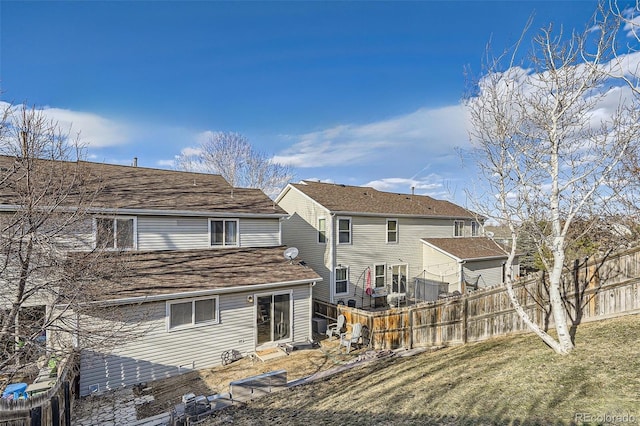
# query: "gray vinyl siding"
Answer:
x=441 y=267
x=78 y=236
x=159 y=353
x=259 y=232
x=369 y=247
x=488 y=272
x=172 y=233
x=300 y=230
x=302 y=314
x=183 y=233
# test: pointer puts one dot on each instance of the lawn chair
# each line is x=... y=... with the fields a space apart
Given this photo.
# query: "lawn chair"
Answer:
x=353 y=338
x=336 y=328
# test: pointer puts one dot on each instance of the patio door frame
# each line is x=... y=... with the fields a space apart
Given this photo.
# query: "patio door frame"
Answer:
x=289 y=321
x=400 y=266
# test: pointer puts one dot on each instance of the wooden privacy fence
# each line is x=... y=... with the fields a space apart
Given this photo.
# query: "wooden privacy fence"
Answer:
x=51 y=408
x=592 y=290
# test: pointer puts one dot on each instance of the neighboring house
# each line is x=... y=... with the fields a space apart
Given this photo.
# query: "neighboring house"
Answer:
x=475 y=262
x=204 y=273
x=359 y=237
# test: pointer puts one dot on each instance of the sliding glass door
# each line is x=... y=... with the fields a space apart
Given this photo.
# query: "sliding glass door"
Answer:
x=273 y=317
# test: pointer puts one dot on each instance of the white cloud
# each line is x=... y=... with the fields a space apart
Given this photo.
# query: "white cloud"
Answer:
x=203 y=137
x=429 y=131
x=632 y=25
x=191 y=151
x=95 y=131
x=166 y=163
x=432 y=185
x=315 y=179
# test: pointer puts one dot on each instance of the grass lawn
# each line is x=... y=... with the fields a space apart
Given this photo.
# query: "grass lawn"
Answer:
x=512 y=380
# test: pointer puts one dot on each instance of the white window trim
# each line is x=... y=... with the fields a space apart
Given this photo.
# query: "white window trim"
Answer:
x=350 y=230
x=397 y=231
x=384 y=275
x=455 y=222
x=94 y=223
x=325 y=230
x=224 y=220
x=216 y=320
x=475 y=229
x=335 y=280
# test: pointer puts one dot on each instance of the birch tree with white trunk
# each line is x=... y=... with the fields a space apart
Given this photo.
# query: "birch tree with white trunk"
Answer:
x=550 y=132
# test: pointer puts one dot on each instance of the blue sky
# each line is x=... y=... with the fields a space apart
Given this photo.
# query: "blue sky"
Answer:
x=360 y=93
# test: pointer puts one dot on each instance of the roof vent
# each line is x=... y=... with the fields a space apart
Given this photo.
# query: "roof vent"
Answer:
x=135 y=161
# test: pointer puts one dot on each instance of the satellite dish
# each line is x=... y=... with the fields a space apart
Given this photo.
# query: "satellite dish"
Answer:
x=489 y=234
x=291 y=253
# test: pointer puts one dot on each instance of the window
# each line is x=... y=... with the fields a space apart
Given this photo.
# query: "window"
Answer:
x=475 y=229
x=322 y=230
x=458 y=228
x=115 y=232
x=224 y=232
x=342 y=280
x=344 y=231
x=392 y=231
x=379 y=274
x=192 y=312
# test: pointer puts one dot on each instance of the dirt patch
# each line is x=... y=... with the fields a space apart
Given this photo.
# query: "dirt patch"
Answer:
x=298 y=364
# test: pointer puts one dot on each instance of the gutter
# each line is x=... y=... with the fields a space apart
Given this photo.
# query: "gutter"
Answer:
x=389 y=214
x=152 y=212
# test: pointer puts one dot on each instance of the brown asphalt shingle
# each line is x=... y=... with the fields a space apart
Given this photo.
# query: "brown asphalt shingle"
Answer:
x=468 y=248
x=170 y=272
x=345 y=198
x=127 y=187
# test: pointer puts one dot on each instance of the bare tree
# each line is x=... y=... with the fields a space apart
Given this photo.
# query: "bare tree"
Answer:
x=232 y=156
x=550 y=134
x=46 y=195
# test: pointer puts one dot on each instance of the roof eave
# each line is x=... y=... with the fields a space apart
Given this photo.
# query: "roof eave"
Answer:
x=391 y=214
x=154 y=212
x=201 y=293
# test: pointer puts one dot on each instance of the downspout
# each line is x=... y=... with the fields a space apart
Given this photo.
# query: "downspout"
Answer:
x=311 y=313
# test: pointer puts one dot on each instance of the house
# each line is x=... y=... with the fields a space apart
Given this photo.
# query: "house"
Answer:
x=201 y=273
x=370 y=245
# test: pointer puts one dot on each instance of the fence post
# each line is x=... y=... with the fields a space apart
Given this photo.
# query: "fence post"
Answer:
x=55 y=411
x=465 y=314
x=36 y=416
x=67 y=404
x=410 y=313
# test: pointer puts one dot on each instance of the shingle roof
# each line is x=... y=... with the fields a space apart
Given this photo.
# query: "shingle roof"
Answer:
x=358 y=199
x=127 y=187
x=144 y=274
x=468 y=248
